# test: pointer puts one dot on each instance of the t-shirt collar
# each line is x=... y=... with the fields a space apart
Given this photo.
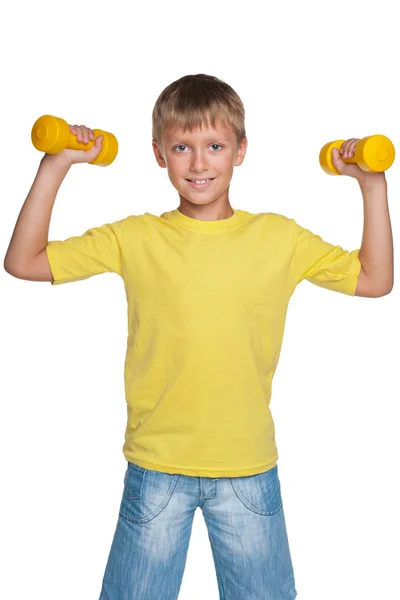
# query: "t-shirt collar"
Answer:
x=175 y=216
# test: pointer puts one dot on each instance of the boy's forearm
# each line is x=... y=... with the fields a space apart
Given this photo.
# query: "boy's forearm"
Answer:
x=376 y=252
x=31 y=231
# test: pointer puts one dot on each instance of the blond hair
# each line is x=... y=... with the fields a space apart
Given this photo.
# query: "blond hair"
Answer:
x=193 y=100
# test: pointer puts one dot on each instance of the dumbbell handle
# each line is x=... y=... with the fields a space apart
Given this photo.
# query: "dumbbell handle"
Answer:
x=52 y=135
x=374 y=153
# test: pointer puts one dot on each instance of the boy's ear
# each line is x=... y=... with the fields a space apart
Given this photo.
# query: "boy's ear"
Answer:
x=241 y=151
x=159 y=156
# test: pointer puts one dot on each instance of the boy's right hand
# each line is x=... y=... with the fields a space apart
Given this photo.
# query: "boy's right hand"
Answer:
x=83 y=134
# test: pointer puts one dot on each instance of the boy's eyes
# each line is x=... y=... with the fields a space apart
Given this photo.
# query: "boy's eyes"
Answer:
x=184 y=146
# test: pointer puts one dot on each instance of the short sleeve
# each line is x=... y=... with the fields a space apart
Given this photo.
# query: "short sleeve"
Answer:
x=96 y=251
x=324 y=264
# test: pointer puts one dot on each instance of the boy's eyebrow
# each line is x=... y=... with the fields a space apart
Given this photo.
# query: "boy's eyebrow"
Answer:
x=214 y=137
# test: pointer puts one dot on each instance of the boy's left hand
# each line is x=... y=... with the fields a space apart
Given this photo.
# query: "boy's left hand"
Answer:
x=347 y=150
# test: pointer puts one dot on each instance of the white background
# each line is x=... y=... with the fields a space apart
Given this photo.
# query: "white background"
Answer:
x=307 y=72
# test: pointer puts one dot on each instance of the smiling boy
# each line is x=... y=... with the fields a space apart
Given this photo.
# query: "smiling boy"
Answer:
x=208 y=288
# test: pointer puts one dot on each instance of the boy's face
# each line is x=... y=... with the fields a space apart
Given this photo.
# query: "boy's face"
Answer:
x=205 y=153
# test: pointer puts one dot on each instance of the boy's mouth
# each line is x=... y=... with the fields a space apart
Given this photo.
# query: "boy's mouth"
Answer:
x=200 y=183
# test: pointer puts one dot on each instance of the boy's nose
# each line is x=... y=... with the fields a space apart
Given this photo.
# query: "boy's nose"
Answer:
x=199 y=162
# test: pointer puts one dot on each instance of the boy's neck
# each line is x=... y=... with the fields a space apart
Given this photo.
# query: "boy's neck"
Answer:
x=212 y=211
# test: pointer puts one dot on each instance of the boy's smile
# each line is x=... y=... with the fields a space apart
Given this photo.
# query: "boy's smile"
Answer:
x=200 y=163
x=200 y=184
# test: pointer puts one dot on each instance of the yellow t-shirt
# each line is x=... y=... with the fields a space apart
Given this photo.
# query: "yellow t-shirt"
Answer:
x=207 y=303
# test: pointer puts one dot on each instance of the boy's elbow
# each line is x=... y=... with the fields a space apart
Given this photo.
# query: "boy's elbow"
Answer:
x=387 y=291
x=379 y=292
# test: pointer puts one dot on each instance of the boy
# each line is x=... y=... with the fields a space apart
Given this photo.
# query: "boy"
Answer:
x=208 y=288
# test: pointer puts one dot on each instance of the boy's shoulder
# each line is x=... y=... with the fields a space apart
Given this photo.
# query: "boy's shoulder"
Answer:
x=135 y=222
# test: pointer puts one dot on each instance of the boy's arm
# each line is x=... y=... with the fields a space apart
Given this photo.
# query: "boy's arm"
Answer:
x=30 y=236
x=376 y=252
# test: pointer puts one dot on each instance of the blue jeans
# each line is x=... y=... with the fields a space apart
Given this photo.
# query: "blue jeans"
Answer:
x=246 y=527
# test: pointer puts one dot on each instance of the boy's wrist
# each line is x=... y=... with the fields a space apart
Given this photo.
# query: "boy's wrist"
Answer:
x=57 y=161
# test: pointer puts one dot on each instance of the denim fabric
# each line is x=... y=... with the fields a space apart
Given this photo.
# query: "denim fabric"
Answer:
x=246 y=527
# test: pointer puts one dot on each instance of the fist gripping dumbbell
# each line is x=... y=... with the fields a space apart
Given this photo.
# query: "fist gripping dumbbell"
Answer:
x=52 y=135
x=374 y=153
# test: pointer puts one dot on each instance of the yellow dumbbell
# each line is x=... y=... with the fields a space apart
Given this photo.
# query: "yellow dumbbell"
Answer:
x=52 y=135
x=374 y=153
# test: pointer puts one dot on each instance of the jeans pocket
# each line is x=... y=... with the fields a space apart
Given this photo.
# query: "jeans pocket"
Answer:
x=260 y=493
x=133 y=481
x=146 y=493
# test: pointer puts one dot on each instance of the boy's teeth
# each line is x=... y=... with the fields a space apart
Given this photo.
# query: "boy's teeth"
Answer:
x=202 y=181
